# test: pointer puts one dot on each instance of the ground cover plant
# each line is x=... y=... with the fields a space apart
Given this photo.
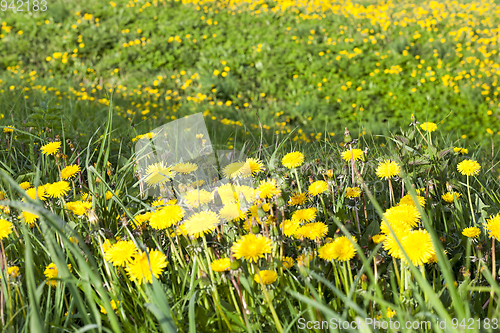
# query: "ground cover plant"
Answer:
x=249 y=167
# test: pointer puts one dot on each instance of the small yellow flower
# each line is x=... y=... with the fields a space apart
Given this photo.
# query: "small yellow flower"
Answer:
x=352 y=192
x=266 y=276
x=51 y=148
x=448 y=196
x=317 y=187
x=428 y=126
x=387 y=169
x=471 y=232
x=293 y=160
x=468 y=167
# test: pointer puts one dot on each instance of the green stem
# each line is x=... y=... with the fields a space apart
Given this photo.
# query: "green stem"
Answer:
x=297 y=178
x=470 y=203
x=279 y=328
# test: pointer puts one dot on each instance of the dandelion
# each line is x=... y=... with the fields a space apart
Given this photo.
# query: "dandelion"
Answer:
x=51 y=148
x=418 y=246
x=58 y=189
x=293 y=160
x=408 y=200
x=387 y=169
x=5 y=228
x=312 y=231
x=8 y=129
x=158 y=174
x=79 y=207
x=357 y=155
x=448 y=196
x=140 y=270
x=166 y=216
x=304 y=215
x=317 y=187
x=468 y=167
x=327 y=252
x=185 y=168
x=29 y=218
x=471 y=232
x=493 y=226
x=266 y=276
x=401 y=215
x=352 y=192
x=461 y=150
x=69 y=171
x=251 y=247
x=51 y=272
x=255 y=166
x=233 y=170
x=13 y=271
x=287 y=262
x=120 y=253
x=221 y=265
x=428 y=127
x=289 y=227
x=195 y=198
x=390 y=313
x=25 y=185
x=114 y=306
x=108 y=195
x=201 y=223
x=343 y=249
x=38 y=192
x=378 y=238
x=267 y=189
x=231 y=212
x=297 y=199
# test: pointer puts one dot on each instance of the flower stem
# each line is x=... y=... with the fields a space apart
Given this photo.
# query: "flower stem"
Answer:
x=470 y=203
x=279 y=328
x=297 y=178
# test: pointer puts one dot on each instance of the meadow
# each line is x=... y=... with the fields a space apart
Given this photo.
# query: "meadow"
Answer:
x=249 y=166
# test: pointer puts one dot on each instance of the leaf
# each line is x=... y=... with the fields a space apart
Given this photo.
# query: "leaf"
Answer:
x=192 y=322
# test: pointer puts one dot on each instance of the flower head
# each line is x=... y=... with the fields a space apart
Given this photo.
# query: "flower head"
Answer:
x=312 y=231
x=166 y=216
x=25 y=185
x=387 y=169
x=471 y=232
x=297 y=199
x=461 y=150
x=288 y=262
x=29 y=218
x=468 y=167
x=79 y=207
x=357 y=155
x=352 y=192
x=408 y=200
x=58 y=189
x=120 y=253
x=428 y=127
x=38 y=192
x=140 y=270
x=304 y=215
x=268 y=189
x=266 y=276
x=493 y=226
x=290 y=227
x=201 y=223
x=5 y=228
x=251 y=247
x=317 y=187
x=69 y=171
x=221 y=265
x=51 y=148
x=195 y=198
x=185 y=168
x=13 y=271
x=448 y=196
x=418 y=246
x=158 y=174
x=293 y=160
x=254 y=165
x=232 y=212
x=114 y=306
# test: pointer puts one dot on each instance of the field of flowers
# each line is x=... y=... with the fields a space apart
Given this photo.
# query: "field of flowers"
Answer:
x=249 y=166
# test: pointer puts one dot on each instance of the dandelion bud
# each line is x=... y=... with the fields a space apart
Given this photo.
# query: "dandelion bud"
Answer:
x=347 y=136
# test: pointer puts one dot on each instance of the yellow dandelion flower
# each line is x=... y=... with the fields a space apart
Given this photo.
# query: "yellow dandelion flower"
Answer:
x=305 y=215
x=142 y=270
x=327 y=252
x=357 y=155
x=25 y=185
x=352 y=192
x=390 y=313
x=58 y=189
x=493 y=226
x=120 y=253
x=428 y=127
x=290 y=227
x=79 y=207
x=234 y=169
x=251 y=247
x=468 y=167
x=387 y=169
x=287 y=262
x=266 y=276
x=312 y=231
x=69 y=171
x=343 y=249
x=166 y=216
x=114 y=306
x=407 y=200
x=293 y=160
x=195 y=198
x=448 y=196
x=51 y=148
x=231 y=212
x=185 y=168
x=378 y=238
x=29 y=218
x=317 y=187
x=418 y=246
x=158 y=174
x=221 y=265
x=298 y=199
x=471 y=232
x=5 y=228
x=256 y=166
x=201 y=223
x=267 y=189
x=38 y=192
x=13 y=271
x=461 y=150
